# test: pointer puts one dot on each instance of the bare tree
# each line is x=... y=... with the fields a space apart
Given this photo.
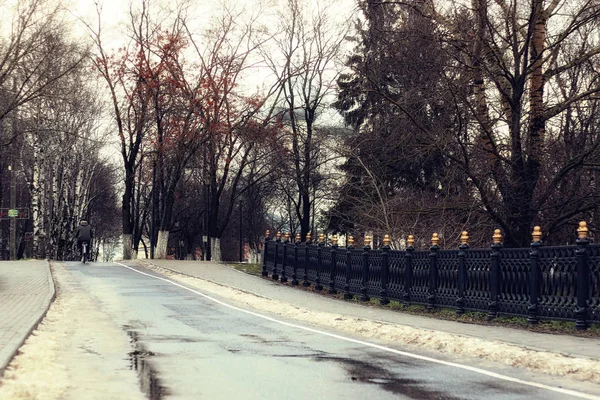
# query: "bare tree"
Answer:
x=531 y=73
x=491 y=123
x=55 y=140
x=240 y=128
x=26 y=55
x=125 y=74
x=308 y=46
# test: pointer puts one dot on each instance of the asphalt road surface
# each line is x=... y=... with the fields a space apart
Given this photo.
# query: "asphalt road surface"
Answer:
x=192 y=346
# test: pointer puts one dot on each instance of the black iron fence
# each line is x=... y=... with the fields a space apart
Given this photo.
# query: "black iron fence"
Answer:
x=558 y=283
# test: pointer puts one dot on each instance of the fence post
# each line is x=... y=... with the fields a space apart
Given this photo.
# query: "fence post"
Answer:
x=433 y=271
x=462 y=272
x=284 y=260
x=495 y=275
x=334 y=246
x=385 y=269
x=277 y=241
x=349 y=247
x=583 y=278
x=365 y=269
x=305 y=281
x=408 y=269
x=264 y=267
x=320 y=245
x=535 y=277
x=294 y=273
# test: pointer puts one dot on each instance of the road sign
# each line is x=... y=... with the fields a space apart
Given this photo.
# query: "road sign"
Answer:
x=17 y=213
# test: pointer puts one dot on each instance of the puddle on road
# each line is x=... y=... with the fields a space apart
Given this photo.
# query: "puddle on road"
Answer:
x=365 y=372
x=140 y=362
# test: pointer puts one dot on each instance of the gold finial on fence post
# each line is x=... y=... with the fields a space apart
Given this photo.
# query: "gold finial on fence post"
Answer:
x=321 y=238
x=582 y=231
x=334 y=240
x=367 y=240
x=278 y=235
x=410 y=242
x=308 y=237
x=464 y=237
x=287 y=236
x=435 y=239
x=298 y=239
x=386 y=240
x=497 y=237
x=268 y=233
x=536 y=234
x=351 y=241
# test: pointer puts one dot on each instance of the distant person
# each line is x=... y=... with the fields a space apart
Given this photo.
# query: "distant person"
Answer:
x=84 y=234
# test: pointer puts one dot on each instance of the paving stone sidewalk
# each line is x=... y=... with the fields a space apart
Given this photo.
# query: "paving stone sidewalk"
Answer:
x=228 y=276
x=26 y=292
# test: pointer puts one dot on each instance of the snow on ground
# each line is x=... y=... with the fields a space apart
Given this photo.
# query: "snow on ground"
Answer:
x=544 y=362
x=77 y=352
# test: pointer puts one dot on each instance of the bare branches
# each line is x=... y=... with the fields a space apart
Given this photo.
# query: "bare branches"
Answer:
x=519 y=79
x=26 y=60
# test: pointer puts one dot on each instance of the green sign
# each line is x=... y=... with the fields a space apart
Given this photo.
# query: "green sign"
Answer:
x=18 y=213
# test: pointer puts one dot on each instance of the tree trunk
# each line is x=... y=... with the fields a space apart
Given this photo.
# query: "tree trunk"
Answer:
x=37 y=204
x=526 y=173
x=126 y=217
x=479 y=87
x=127 y=245
x=213 y=228
x=215 y=249
x=536 y=100
x=305 y=219
x=161 y=245
x=537 y=123
x=253 y=256
x=58 y=184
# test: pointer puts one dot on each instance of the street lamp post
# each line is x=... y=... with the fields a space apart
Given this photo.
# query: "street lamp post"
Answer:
x=13 y=220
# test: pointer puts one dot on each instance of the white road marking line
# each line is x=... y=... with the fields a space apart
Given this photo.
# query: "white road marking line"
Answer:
x=376 y=346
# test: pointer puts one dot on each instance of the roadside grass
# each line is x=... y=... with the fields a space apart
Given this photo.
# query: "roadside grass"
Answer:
x=481 y=318
x=252 y=269
x=446 y=313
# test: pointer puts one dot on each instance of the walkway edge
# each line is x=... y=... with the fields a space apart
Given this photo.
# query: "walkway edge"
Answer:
x=34 y=323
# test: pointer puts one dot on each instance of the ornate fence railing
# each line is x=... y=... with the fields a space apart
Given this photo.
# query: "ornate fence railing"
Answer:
x=556 y=283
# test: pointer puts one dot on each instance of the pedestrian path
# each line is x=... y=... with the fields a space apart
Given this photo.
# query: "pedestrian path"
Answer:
x=26 y=292
x=580 y=347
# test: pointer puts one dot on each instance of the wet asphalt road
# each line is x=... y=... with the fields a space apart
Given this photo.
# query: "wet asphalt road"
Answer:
x=190 y=347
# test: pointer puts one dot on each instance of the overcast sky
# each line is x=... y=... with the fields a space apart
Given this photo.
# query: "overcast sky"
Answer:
x=115 y=14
